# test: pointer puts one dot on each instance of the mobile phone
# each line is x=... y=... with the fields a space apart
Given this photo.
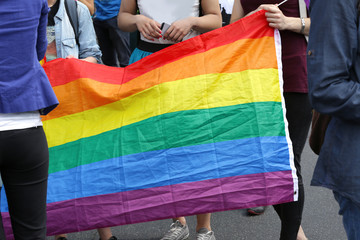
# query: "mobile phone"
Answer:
x=164 y=27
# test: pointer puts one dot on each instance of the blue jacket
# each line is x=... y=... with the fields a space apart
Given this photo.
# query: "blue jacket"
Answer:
x=334 y=88
x=24 y=85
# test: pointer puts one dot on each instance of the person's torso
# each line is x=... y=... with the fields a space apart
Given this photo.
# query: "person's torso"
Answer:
x=65 y=42
x=293 y=46
x=165 y=11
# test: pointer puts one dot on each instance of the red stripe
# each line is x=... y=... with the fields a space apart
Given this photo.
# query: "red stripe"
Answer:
x=251 y=27
x=66 y=72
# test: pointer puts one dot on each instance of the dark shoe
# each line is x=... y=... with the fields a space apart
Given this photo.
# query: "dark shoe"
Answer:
x=256 y=210
x=112 y=238
x=62 y=238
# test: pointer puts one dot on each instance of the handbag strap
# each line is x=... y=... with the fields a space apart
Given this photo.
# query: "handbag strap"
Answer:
x=303 y=13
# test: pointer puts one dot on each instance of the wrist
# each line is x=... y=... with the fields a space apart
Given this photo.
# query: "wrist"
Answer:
x=193 y=21
x=302 y=29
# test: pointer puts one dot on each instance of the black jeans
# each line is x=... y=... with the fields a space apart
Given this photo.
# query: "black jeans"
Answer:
x=114 y=43
x=298 y=114
x=24 y=164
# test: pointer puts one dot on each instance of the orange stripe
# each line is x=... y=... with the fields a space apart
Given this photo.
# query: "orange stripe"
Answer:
x=236 y=57
x=252 y=27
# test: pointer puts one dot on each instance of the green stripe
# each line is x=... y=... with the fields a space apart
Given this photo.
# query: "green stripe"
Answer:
x=172 y=130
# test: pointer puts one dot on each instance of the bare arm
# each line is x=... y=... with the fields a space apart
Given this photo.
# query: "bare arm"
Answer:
x=278 y=20
x=87 y=59
x=237 y=11
x=90 y=5
x=211 y=18
x=274 y=16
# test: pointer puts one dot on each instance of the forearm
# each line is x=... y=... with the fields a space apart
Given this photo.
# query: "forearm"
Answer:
x=90 y=59
x=206 y=23
x=295 y=24
x=127 y=16
x=127 y=21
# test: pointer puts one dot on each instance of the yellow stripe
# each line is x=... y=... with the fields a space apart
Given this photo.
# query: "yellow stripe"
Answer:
x=211 y=90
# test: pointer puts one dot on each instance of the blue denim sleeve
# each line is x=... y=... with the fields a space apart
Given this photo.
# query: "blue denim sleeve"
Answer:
x=87 y=36
x=333 y=58
x=41 y=43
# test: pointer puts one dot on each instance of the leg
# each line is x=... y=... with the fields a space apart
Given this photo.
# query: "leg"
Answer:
x=203 y=221
x=24 y=172
x=105 y=233
x=298 y=114
x=61 y=237
x=203 y=228
x=105 y=44
x=301 y=234
x=121 y=41
x=182 y=220
x=290 y=215
x=351 y=216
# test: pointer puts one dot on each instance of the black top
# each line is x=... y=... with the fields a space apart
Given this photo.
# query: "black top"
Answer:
x=53 y=10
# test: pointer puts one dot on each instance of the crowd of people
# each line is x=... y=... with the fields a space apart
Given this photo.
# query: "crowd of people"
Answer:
x=98 y=31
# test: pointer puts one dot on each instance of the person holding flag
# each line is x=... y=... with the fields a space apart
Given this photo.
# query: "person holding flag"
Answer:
x=285 y=16
x=162 y=23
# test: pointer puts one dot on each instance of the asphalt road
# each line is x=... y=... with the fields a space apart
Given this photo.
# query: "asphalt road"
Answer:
x=320 y=219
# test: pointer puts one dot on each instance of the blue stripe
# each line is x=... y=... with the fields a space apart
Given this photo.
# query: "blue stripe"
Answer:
x=171 y=166
x=153 y=169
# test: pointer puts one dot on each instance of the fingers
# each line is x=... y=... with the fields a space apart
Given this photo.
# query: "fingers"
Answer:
x=178 y=30
x=274 y=16
x=269 y=7
x=175 y=34
x=149 y=28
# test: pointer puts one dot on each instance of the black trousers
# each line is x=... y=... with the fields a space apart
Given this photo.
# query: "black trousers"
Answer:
x=24 y=164
x=114 y=43
x=298 y=114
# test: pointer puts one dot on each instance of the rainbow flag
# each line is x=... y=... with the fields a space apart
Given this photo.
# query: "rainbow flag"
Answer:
x=198 y=127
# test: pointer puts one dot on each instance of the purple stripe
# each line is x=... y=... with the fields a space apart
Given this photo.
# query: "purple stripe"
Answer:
x=168 y=201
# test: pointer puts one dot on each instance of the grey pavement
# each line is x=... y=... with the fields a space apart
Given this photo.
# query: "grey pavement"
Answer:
x=320 y=219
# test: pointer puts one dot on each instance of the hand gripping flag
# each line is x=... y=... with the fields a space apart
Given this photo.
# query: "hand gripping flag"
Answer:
x=196 y=128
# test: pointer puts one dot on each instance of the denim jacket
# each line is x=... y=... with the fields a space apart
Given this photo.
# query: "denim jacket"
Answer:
x=65 y=36
x=334 y=88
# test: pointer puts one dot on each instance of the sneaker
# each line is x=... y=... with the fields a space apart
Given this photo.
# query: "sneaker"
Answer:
x=256 y=210
x=177 y=232
x=112 y=238
x=204 y=234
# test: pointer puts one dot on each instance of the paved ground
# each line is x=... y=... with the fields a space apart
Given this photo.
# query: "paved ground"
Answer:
x=320 y=219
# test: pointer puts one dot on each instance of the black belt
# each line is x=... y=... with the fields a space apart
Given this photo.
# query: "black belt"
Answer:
x=151 y=47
